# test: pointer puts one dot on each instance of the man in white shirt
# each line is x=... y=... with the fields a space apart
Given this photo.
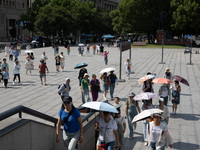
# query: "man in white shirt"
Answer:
x=44 y=57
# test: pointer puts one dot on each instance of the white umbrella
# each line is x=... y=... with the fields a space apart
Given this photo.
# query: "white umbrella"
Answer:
x=28 y=51
x=101 y=106
x=146 y=114
x=81 y=44
x=145 y=96
x=34 y=41
x=107 y=70
x=146 y=77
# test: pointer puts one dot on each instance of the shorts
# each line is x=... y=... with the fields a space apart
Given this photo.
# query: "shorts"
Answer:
x=42 y=75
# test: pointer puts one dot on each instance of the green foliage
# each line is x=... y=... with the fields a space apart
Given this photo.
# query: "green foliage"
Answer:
x=186 y=18
x=51 y=20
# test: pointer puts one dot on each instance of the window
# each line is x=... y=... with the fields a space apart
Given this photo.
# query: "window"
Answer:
x=13 y=3
x=0 y=2
x=6 y=3
x=9 y=3
x=23 y=5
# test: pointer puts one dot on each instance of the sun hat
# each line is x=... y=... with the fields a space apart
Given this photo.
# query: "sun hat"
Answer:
x=167 y=69
x=86 y=75
x=67 y=99
x=131 y=94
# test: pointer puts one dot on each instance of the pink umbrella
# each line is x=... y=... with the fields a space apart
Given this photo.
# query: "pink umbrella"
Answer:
x=145 y=96
x=181 y=79
x=162 y=80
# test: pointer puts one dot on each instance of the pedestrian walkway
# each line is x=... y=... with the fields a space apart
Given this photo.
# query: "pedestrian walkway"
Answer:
x=183 y=127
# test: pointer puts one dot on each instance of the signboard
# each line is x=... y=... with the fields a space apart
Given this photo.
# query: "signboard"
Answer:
x=125 y=46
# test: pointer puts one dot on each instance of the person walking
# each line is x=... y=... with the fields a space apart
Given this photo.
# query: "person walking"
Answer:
x=121 y=127
x=4 y=65
x=16 y=52
x=165 y=110
x=28 y=66
x=176 y=89
x=128 y=65
x=58 y=60
x=11 y=53
x=106 y=83
x=106 y=57
x=62 y=61
x=101 y=49
x=42 y=70
x=5 y=76
x=145 y=106
x=113 y=79
x=95 y=87
x=32 y=60
x=158 y=134
x=81 y=74
x=64 y=88
x=164 y=93
x=85 y=83
x=44 y=57
x=73 y=127
x=68 y=50
x=131 y=110
x=94 y=49
x=16 y=71
x=6 y=50
x=88 y=49
x=107 y=128
x=82 y=50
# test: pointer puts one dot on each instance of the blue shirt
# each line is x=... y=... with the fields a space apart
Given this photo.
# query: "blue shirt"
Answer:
x=5 y=74
x=72 y=125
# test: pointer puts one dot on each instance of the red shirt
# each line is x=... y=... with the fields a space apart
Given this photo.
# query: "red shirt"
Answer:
x=42 y=68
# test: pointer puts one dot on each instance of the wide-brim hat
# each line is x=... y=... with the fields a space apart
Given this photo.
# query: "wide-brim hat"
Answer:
x=167 y=69
x=86 y=75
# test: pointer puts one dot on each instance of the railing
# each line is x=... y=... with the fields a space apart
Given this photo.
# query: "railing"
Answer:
x=22 y=109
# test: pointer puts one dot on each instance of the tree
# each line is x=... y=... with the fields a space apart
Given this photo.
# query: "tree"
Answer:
x=185 y=15
x=51 y=20
x=139 y=16
x=30 y=16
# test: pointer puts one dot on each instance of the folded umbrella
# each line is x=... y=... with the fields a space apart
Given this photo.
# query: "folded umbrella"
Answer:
x=107 y=70
x=181 y=79
x=146 y=114
x=145 y=96
x=162 y=80
x=78 y=66
x=101 y=106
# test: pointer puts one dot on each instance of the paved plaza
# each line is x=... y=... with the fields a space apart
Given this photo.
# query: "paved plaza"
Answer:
x=184 y=127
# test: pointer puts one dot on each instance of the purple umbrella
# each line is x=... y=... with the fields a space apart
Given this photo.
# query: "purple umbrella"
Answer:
x=181 y=79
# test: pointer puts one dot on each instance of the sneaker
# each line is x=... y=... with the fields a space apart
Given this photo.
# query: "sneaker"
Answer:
x=130 y=138
x=172 y=112
x=13 y=83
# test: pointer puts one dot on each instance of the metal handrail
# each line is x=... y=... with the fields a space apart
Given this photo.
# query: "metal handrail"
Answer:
x=19 y=109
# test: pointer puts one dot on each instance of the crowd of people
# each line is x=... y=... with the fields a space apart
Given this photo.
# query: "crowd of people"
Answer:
x=111 y=127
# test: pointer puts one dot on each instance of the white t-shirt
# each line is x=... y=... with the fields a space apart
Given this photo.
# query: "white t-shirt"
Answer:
x=156 y=131
x=106 y=133
x=44 y=58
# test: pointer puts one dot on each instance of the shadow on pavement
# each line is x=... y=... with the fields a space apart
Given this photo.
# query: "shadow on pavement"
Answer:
x=191 y=117
x=131 y=143
x=186 y=146
x=186 y=94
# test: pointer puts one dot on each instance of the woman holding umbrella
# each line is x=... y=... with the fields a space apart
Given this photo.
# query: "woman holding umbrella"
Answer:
x=107 y=128
x=157 y=133
x=131 y=110
x=176 y=89
x=81 y=74
x=106 y=83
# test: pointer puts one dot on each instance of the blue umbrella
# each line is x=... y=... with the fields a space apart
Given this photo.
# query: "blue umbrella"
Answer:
x=80 y=65
x=108 y=36
x=187 y=36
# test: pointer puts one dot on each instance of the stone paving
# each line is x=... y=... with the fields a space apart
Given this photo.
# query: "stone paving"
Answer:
x=183 y=127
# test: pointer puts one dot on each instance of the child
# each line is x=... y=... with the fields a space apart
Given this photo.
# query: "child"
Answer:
x=16 y=72
x=121 y=127
x=57 y=59
x=28 y=66
x=116 y=101
x=106 y=57
x=5 y=75
x=42 y=71
x=68 y=49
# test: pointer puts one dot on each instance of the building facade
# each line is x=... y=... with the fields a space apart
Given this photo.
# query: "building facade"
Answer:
x=11 y=28
x=107 y=4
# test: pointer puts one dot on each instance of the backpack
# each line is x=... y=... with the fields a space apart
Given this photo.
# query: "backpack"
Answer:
x=60 y=86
